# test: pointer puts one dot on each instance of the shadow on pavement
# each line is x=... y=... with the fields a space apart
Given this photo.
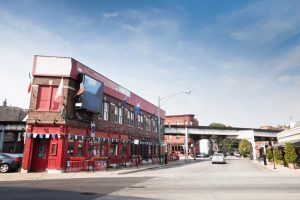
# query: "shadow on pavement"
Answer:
x=75 y=189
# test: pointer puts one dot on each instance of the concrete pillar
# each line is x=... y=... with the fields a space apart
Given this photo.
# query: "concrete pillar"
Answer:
x=194 y=149
x=186 y=145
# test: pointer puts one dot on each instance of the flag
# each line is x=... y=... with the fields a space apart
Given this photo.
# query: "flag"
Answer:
x=29 y=87
x=30 y=84
x=81 y=90
x=59 y=89
x=137 y=109
x=124 y=103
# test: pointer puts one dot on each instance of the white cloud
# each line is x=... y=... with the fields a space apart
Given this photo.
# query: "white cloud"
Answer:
x=108 y=15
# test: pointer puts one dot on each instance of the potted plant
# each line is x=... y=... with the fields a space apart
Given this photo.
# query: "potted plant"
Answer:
x=290 y=154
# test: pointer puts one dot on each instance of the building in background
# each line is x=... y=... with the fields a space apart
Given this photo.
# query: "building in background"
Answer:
x=175 y=143
x=12 y=128
x=78 y=114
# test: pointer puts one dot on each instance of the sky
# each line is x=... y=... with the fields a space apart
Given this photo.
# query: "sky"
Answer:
x=240 y=59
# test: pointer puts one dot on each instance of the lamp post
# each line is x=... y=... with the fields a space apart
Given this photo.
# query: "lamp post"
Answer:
x=160 y=101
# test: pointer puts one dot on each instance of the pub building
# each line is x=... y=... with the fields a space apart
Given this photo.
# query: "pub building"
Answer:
x=77 y=114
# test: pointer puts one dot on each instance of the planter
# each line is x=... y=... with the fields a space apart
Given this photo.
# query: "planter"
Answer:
x=292 y=166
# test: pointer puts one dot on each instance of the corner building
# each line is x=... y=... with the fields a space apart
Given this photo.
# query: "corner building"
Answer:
x=77 y=114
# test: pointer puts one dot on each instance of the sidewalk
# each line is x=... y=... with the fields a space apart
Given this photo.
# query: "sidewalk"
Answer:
x=18 y=176
x=278 y=168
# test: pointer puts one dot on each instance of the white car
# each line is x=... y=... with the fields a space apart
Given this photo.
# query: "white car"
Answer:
x=218 y=158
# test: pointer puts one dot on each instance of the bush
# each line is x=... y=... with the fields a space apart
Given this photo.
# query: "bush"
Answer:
x=244 y=148
x=269 y=154
x=290 y=153
x=277 y=156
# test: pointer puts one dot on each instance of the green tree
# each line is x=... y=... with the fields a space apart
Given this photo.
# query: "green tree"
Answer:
x=244 y=147
x=217 y=125
x=277 y=156
x=269 y=154
x=290 y=153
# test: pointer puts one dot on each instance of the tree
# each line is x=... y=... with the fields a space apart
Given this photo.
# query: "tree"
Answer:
x=269 y=154
x=244 y=148
x=277 y=156
x=217 y=125
x=290 y=153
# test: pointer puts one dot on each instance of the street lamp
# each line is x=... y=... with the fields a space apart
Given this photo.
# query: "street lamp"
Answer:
x=160 y=101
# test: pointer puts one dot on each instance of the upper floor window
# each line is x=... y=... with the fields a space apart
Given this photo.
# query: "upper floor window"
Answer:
x=46 y=98
x=140 y=121
x=116 y=114
x=131 y=118
x=120 y=116
x=105 y=111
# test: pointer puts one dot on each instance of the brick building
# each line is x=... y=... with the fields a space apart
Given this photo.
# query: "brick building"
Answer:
x=78 y=114
x=175 y=144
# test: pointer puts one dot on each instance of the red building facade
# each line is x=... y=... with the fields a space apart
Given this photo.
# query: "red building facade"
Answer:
x=175 y=143
x=61 y=130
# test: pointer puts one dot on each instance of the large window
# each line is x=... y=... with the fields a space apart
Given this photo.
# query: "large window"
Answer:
x=46 y=98
x=80 y=149
x=105 y=111
x=70 y=148
x=124 y=150
x=131 y=119
x=113 y=150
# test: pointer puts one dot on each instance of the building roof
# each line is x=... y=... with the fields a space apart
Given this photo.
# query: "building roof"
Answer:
x=69 y=67
x=12 y=114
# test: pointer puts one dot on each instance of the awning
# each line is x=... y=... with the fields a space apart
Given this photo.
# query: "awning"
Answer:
x=295 y=142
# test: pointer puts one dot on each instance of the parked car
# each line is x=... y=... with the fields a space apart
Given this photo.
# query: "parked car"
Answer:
x=9 y=162
x=236 y=154
x=202 y=155
x=218 y=158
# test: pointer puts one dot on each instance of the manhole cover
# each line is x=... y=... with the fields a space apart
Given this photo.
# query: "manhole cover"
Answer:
x=137 y=186
x=87 y=193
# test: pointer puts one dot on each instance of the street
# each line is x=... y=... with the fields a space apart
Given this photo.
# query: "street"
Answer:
x=238 y=179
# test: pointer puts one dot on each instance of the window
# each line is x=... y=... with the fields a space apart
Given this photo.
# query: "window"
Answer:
x=124 y=150
x=53 y=149
x=127 y=113
x=120 y=116
x=131 y=119
x=105 y=111
x=70 y=148
x=102 y=150
x=46 y=99
x=140 y=121
x=116 y=115
x=93 y=150
x=80 y=149
x=113 y=149
x=177 y=137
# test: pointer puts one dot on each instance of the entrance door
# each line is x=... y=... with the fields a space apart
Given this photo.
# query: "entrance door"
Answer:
x=40 y=154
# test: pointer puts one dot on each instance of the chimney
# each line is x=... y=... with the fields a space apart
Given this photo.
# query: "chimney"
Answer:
x=4 y=103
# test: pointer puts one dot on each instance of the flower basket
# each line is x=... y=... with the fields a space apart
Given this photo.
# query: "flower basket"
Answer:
x=98 y=158
x=292 y=165
x=77 y=158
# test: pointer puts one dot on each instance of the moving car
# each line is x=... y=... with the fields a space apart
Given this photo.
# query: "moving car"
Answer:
x=9 y=162
x=218 y=158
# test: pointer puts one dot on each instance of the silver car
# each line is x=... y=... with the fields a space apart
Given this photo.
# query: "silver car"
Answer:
x=218 y=158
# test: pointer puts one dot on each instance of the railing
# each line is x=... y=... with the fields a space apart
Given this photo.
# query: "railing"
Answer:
x=85 y=165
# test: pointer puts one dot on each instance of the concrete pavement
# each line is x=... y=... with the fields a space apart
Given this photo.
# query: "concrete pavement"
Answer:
x=18 y=176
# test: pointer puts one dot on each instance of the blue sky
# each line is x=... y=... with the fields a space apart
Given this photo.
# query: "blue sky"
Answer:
x=240 y=59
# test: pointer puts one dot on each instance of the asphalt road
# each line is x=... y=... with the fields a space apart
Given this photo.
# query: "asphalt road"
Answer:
x=238 y=179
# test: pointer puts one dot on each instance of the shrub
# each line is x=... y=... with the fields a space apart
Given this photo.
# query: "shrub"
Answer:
x=269 y=154
x=244 y=148
x=277 y=156
x=290 y=153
